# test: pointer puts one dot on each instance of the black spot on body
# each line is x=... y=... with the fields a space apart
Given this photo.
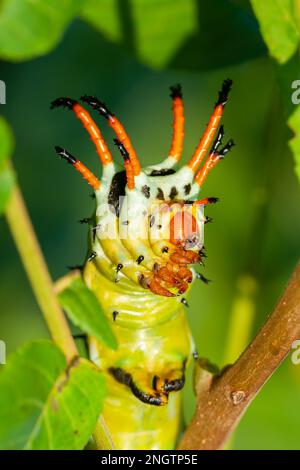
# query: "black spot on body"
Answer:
x=160 y=194
x=117 y=189
x=146 y=191
x=152 y=220
x=187 y=189
x=173 y=193
x=163 y=172
x=114 y=315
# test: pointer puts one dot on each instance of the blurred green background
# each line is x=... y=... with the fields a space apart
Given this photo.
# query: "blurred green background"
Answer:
x=253 y=242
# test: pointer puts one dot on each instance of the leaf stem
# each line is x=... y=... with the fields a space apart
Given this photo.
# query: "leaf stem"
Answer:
x=32 y=258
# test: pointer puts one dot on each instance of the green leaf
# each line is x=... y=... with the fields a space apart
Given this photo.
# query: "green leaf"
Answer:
x=44 y=403
x=32 y=28
x=6 y=174
x=215 y=46
x=85 y=311
x=185 y=34
x=294 y=124
x=278 y=27
x=154 y=29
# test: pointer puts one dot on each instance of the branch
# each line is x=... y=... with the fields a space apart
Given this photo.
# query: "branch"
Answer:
x=223 y=399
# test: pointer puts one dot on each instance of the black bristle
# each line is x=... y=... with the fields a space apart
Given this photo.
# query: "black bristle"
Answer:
x=208 y=219
x=140 y=259
x=92 y=256
x=203 y=278
x=122 y=149
x=119 y=267
x=63 y=153
x=115 y=314
x=213 y=200
x=224 y=92
x=176 y=91
x=85 y=220
x=63 y=102
x=202 y=253
x=226 y=148
x=97 y=105
x=184 y=302
x=218 y=140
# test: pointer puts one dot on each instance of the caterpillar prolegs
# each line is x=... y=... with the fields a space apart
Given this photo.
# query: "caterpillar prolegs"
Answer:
x=146 y=238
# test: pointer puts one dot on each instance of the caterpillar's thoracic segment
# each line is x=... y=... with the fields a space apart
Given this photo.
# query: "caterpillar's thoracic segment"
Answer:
x=145 y=236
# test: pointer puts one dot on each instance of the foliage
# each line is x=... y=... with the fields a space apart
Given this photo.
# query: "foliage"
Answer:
x=46 y=404
x=85 y=311
x=278 y=27
x=30 y=29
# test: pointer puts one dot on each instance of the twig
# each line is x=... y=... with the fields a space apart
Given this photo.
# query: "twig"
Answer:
x=222 y=400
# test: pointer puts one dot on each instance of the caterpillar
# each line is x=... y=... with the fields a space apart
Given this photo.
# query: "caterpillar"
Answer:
x=145 y=240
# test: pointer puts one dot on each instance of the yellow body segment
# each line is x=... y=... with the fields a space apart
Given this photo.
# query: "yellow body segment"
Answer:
x=154 y=340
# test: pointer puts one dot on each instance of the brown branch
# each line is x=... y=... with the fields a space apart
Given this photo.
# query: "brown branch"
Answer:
x=223 y=399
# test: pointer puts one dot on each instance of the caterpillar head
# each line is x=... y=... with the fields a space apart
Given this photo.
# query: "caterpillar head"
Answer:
x=149 y=223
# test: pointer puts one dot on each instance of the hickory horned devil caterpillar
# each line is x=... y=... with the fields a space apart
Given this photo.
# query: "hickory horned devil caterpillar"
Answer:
x=146 y=233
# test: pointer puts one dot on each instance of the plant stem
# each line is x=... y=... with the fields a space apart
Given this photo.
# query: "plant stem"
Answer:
x=222 y=403
x=32 y=258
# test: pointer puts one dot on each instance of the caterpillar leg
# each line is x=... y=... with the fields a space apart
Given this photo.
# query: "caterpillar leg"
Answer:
x=172 y=381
